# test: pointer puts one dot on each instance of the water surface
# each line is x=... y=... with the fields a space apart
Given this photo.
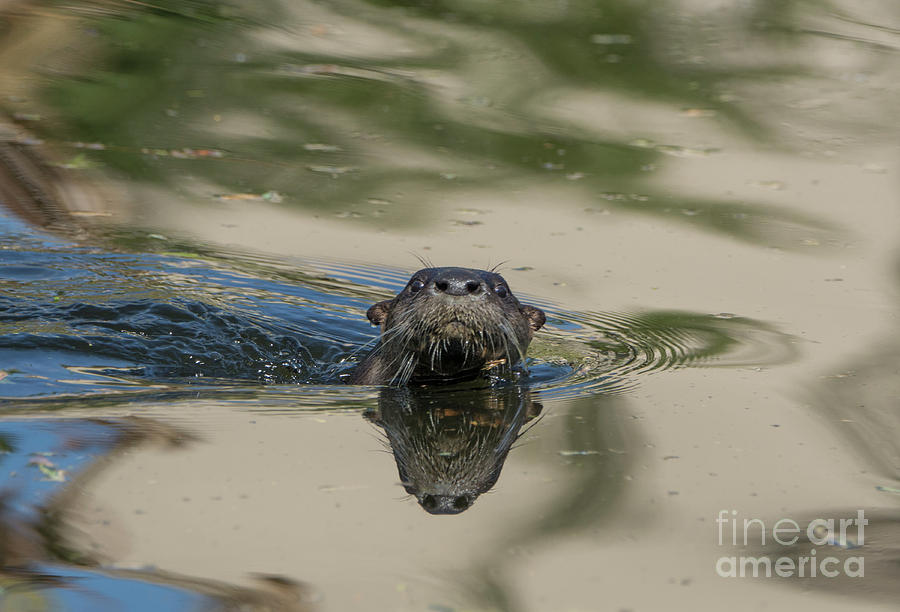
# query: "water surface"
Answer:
x=200 y=200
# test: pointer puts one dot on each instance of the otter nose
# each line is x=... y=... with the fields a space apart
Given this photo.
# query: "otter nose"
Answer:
x=458 y=282
x=445 y=504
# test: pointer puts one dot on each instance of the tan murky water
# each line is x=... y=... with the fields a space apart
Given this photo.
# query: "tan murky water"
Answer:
x=777 y=203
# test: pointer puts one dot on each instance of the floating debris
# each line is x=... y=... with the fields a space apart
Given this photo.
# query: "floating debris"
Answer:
x=809 y=103
x=874 y=168
x=337 y=488
x=79 y=162
x=678 y=151
x=887 y=489
x=27 y=117
x=48 y=468
x=577 y=453
x=623 y=197
x=326 y=148
x=269 y=196
x=698 y=112
x=611 y=39
x=93 y=146
x=673 y=150
x=328 y=70
x=489 y=365
x=334 y=171
x=773 y=185
x=849 y=374
x=184 y=153
x=238 y=196
x=643 y=143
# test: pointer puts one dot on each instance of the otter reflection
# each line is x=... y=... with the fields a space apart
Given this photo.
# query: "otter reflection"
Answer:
x=450 y=443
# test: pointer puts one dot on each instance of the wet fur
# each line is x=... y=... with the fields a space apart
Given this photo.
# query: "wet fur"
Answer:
x=429 y=336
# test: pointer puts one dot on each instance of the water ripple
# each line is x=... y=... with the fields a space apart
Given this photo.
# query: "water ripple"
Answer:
x=609 y=352
x=78 y=321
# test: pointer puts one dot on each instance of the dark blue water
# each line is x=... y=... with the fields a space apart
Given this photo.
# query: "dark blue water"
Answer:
x=111 y=319
x=77 y=320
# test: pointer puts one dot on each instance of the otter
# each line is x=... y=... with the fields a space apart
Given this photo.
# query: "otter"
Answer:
x=447 y=325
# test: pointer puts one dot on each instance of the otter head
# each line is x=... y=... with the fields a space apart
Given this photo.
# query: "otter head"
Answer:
x=448 y=324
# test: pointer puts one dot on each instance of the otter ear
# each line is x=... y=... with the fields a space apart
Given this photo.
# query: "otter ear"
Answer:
x=377 y=313
x=536 y=317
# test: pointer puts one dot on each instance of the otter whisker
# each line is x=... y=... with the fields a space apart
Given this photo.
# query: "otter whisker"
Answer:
x=422 y=259
x=510 y=335
x=496 y=268
x=364 y=345
x=401 y=357
x=433 y=353
x=405 y=371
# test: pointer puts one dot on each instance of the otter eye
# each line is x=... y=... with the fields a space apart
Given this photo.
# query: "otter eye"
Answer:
x=416 y=286
x=501 y=291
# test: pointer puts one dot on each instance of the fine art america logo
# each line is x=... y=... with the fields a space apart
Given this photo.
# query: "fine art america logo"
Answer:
x=805 y=560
